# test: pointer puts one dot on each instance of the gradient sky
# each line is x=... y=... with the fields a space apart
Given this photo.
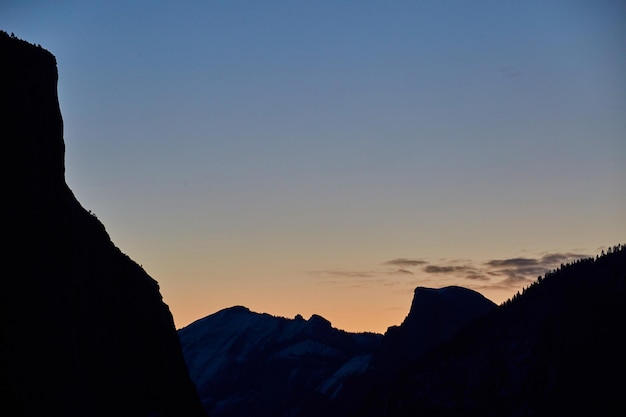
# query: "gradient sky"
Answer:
x=329 y=156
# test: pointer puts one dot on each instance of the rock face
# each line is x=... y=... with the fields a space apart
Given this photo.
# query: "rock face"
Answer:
x=435 y=316
x=84 y=329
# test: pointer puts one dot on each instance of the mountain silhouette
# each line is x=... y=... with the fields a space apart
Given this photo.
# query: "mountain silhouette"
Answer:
x=84 y=329
x=435 y=316
x=246 y=363
x=555 y=349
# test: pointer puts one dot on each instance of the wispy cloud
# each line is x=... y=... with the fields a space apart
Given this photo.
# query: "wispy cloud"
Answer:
x=403 y=262
x=447 y=269
x=343 y=274
x=401 y=271
x=465 y=270
x=514 y=273
x=514 y=262
x=362 y=279
x=516 y=270
x=554 y=259
x=476 y=276
x=407 y=273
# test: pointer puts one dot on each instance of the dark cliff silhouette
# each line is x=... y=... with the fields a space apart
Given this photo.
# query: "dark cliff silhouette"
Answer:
x=556 y=349
x=84 y=330
x=435 y=317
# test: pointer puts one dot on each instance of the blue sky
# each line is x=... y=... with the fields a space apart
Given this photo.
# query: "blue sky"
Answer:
x=327 y=157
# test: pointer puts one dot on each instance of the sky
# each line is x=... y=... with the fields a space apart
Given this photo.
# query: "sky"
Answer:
x=328 y=157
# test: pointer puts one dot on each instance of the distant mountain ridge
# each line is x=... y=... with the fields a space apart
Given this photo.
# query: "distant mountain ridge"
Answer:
x=554 y=349
x=246 y=363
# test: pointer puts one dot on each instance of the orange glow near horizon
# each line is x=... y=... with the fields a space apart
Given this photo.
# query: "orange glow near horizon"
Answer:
x=361 y=303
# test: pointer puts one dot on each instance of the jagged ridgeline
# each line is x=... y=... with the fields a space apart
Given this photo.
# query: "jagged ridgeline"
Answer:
x=84 y=329
x=554 y=349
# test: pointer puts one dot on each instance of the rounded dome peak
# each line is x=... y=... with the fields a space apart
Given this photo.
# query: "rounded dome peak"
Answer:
x=319 y=321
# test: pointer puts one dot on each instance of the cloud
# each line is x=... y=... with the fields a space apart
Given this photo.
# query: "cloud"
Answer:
x=514 y=262
x=465 y=271
x=505 y=273
x=363 y=279
x=476 y=276
x=338 y=273
x=555 y=259
x=446 y=269
x=403 y=262
x=530 y=267
x=401 y=271
x=518 y=271
x=509 y=274
x=344 y=274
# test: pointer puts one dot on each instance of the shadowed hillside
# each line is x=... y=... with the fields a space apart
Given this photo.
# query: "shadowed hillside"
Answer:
x=246 y=363
x=251 y=364
x=555 y=349
x=84 y=329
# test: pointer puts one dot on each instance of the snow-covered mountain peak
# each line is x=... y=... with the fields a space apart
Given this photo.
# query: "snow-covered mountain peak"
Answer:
x=238 y=347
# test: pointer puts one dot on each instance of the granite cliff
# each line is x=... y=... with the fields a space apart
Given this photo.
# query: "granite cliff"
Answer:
x=84 y=329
